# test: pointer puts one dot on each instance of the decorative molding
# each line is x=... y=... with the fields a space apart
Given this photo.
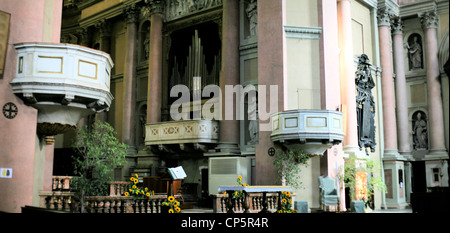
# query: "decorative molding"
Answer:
x=303 y=32
x=176 y=9
x=429 y=19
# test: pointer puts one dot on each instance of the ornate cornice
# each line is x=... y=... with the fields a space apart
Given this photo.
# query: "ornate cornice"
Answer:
x=131 y=13
x=429 y=19
x=303 y=32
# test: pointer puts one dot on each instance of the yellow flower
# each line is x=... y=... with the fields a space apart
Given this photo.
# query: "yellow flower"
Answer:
x=135 y=181
x=133 y=187
x=284 y=200
x=240 y=177
x=137 y=176
x=244 y=184
x=236 y=193
x=176 y=203
x=171 y=198
x=288 y=193
x=148 y=194
x=146 y=189
x=126 y=194
x=177 y=209
x=170 y=211
x=290 y=201
x=132 y=178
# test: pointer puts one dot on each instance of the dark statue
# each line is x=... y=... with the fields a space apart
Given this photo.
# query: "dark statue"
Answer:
x=365 y=104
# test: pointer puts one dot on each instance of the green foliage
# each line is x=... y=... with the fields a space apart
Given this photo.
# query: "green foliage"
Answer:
x=352 y=166
x=99 y=152
x=288 y=165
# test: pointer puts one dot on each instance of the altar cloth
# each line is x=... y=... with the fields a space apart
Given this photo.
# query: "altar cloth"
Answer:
x=256 y=188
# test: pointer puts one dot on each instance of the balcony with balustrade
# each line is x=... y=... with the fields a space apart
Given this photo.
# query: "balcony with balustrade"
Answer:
x=185 y=135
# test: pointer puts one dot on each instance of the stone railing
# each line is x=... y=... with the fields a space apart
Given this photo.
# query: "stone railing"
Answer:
x=65 y=201
x=62 y=199
x=256 y=201
x=182 y=135
x=60 y=183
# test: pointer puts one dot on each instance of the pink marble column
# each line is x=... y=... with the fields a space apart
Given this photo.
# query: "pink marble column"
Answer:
x=404 y=146
x=129 y=103
x=229 y=129
x=154 y=94
x=437 y=148
x=387 y=87
x=329 y=79
x=347 y=77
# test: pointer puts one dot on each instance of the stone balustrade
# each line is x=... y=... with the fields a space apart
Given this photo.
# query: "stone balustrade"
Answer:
x=182 y=135
x=256 y=203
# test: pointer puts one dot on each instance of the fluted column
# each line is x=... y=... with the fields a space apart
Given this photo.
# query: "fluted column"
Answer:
x=430 y=23
x=347 y=77
x=154 y=91
x=229 y=75
x=387 y=88
x=129 y=95
x=404 y=146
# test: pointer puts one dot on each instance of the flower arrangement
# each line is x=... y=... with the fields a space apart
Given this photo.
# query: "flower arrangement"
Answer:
x=174 y=205
x=136 y=192
x=286 y=203
x=237 y=194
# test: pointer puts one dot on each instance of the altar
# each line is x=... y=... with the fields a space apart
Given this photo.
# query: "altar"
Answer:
x=264 y=189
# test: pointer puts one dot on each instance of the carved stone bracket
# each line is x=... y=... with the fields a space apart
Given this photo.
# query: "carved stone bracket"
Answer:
x=104 y=27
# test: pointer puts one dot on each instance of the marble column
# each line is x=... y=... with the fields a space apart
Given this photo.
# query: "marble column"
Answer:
x=229 y=75
x=387 y=88
x=347 y=77
x=404 y=147
x=154 y=91
x=437 y=148
x=131 y=13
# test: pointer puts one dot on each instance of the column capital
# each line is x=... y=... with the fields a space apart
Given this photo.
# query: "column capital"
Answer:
x=131 y=13
x=156 y=6
x=104 y=28
x=384 y=17
x=429 y=19
x=397 y=25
